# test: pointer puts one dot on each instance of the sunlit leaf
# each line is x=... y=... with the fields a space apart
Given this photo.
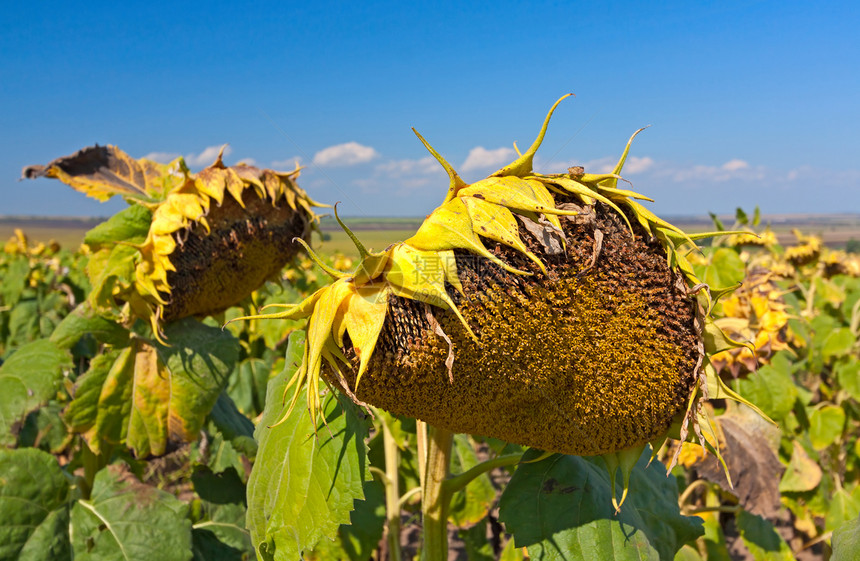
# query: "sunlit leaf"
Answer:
x=306 y=477
x=473 y=503
x=846 y=541
x=825 y=426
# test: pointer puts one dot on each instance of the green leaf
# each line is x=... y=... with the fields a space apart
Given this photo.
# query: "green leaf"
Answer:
x=28 y=378
x=725 y=269
x=843 y=507
x=130 y=224
x=837 y=343
x=846 y=541
x=848 y=375
x=472 y=504
x=32 y=506
x=220 y=532
x=561 y=509
x=84 y=321
x=234 y=427
x=247 y=385
x=772 y=387
x=761 y=538
x=44 y=429
x=359 y=539
x=14 y=281
x=306 y=477
x=125 y=519
x=825 y=426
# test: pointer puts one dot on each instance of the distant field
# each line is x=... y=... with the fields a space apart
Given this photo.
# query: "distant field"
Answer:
x=378 y=233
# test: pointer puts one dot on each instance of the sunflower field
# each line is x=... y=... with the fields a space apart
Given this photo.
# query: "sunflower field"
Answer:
x=544 y=370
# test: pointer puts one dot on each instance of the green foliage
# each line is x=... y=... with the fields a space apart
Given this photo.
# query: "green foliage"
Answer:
x=307 y=477
x=560 y=508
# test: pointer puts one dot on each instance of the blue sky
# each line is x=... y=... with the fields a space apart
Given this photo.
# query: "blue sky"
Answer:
x=749 y=102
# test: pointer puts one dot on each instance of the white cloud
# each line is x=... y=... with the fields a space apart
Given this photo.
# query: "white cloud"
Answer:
x=248 y=162
x=399 y=168
x=207 y=156
x=347 y=154
x=481 y=158
x=735 y=165
x=162 y=157
x=635 y=165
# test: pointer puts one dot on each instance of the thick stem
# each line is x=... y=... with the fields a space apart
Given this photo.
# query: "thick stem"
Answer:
x=392 y=491
x=435 y=500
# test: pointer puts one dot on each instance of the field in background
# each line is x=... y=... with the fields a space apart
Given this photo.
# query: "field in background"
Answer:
x=378 y=233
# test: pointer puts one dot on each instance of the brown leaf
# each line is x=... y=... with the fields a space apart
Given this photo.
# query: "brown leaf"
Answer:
x=748 y=445
x=104 y=171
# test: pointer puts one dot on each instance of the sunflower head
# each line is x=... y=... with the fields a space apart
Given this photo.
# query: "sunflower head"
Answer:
x=189 y=244
x=554 y=311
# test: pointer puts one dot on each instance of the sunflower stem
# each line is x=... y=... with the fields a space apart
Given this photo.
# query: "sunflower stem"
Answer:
x=392 y=490
x=435 y=499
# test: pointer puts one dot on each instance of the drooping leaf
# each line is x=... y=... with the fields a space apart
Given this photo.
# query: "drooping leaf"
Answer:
x=33 y=509
x=306 y=477
x=125 y=519
x=146 y=395
x=748 y=447
x=561 y=509
x=28 y=378
x=104 y=171
x=472 y=504
x=761 y=538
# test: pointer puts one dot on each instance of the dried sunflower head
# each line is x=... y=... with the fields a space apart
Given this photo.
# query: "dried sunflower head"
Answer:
x=549 y=310
x=189 y=244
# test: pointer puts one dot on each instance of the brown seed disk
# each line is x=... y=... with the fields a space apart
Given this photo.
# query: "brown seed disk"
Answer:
x=246 y=246
x=585 y=361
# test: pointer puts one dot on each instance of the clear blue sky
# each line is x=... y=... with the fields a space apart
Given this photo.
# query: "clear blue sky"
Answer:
x=749 y=102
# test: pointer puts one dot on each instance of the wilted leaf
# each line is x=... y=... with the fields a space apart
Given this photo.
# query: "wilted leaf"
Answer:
x=306 y=477
x=752 y=462
x=825 y=426
x=148 y=395
x=761 y=538
x=104 y=171
x=472 y=504
x=561 y=509
x=125 y=519
x=32 y=506
x=28 y=378
x=802 y=474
